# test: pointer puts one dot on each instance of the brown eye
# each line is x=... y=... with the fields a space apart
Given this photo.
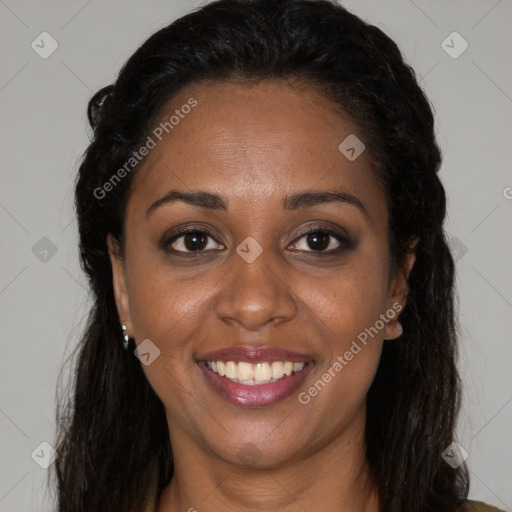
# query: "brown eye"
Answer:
x=321 y=240
x=190 y=240
x=318 y=241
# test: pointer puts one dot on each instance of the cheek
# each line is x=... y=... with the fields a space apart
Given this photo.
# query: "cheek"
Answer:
x=346 y=311
x=348 y=300
x=170 y=313
x=165 y=310
x=351 y=345
x=162 y=300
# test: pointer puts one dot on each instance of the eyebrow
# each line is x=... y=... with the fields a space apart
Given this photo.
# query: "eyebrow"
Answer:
x=296 y=201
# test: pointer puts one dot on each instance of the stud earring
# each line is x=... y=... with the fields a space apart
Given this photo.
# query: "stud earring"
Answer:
x=126 y=340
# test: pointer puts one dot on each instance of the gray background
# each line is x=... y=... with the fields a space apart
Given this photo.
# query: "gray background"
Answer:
x=44 y=131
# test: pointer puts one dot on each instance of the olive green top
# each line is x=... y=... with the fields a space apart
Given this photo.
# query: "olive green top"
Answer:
x=478 y=506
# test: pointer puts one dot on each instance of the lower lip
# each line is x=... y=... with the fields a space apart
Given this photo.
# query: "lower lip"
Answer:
x=255 y=395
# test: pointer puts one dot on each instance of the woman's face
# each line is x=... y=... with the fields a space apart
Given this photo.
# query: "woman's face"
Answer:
x=250 y=284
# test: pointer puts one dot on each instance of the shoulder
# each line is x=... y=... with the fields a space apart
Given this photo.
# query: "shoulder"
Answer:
x=478 y=506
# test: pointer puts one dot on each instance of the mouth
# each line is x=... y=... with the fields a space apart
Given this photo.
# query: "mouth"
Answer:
x=250 y=377
x=255 y=374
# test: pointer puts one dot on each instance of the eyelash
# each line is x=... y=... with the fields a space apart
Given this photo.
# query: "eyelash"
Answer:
x=345 y=242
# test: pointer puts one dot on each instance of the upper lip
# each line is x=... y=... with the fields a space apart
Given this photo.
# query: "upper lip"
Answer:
x=254 y=354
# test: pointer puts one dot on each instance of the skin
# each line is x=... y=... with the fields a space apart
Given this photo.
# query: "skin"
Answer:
x=256 y=144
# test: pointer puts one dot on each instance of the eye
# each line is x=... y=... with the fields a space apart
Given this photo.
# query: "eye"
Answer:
x=190 y=240
x=321 y=239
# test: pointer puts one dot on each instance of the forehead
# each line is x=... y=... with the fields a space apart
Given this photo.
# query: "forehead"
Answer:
x=254 y=142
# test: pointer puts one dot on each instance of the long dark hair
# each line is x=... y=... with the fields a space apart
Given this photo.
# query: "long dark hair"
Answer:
x=113 y=450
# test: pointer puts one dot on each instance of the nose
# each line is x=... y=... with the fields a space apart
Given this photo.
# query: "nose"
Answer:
x=256 y=295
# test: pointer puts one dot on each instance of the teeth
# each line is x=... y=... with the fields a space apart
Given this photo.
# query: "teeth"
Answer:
x=244 y=372
x=297 y=367
x=262 y=371
x=259 y=373
x=277 y=369
x=231 y=372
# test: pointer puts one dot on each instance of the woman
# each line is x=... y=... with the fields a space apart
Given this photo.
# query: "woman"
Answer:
x=261 y=222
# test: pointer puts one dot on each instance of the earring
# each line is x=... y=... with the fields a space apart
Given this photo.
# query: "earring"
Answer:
x=126 y=339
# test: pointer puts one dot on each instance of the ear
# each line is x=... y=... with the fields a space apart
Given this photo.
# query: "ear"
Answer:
x=398 y=290
x=119 y=284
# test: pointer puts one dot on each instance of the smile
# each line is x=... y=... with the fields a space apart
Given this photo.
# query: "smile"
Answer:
x=250 y=374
